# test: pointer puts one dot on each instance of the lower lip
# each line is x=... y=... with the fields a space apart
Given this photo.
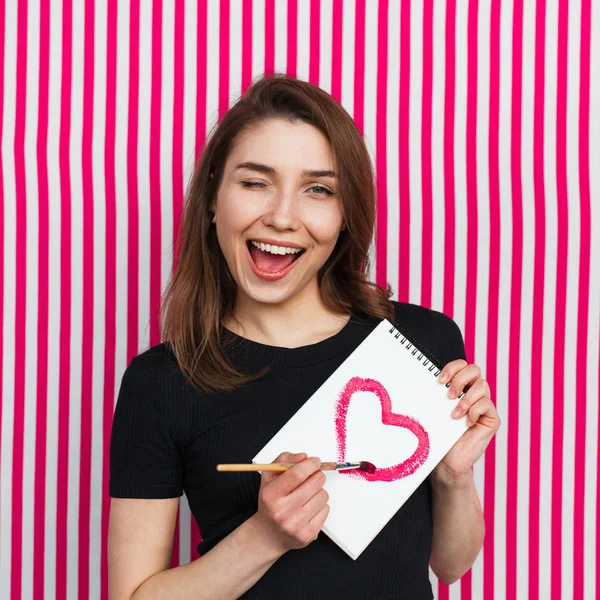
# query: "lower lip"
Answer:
x=266 y=275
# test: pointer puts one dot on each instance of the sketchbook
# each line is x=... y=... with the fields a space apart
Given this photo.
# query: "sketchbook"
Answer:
x=384 y=405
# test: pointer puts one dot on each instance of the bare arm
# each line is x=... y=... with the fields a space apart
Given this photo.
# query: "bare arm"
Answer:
x=140 y=546
x=458 y=526
x=292 y=509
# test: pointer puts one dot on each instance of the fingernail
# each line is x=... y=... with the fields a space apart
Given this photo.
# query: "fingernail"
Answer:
x=443 y=377
x=451 y=393
x=457 y=412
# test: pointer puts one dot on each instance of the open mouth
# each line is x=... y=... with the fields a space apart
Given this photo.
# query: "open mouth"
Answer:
x=273 y=260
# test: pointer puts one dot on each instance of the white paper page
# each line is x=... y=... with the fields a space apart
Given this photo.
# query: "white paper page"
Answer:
x=359 y=509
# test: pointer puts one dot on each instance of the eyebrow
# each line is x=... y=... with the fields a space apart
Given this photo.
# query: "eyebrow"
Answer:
x=267 y=169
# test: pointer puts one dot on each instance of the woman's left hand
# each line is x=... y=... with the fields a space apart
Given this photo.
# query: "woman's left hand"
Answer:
x=482 y=418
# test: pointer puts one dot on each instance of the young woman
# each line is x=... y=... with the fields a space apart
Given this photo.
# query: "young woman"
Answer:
x=268 y=298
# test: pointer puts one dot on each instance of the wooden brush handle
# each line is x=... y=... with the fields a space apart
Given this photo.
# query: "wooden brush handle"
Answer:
x=326 y=466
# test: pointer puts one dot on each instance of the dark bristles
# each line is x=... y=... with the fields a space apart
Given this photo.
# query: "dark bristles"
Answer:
x=367 y=466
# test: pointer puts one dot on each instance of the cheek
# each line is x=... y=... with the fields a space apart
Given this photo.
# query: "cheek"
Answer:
x=324 y=225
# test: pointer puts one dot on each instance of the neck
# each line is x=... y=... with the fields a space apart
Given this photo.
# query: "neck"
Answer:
x=300 y=321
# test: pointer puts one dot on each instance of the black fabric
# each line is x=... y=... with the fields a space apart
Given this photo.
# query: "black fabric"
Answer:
x=167 y=438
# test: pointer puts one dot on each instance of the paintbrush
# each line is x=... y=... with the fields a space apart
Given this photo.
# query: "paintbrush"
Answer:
x=325 y=466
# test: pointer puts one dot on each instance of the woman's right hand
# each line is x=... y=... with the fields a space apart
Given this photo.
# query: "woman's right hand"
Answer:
x=292 y=505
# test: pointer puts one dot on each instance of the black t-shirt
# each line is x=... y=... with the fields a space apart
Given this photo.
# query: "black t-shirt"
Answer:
x=167 y=438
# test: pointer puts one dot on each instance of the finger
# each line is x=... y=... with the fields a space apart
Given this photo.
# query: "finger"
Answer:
x=466 y=376
x=319 y=519
x=295 y=476
x=451 y=369
x=315 y=504
x=286 y=458
x=308 y=489
x=483 y=410
x=476 y=392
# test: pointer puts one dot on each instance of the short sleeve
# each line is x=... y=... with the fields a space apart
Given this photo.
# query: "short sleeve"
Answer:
x=144 y=460
x=448 y=338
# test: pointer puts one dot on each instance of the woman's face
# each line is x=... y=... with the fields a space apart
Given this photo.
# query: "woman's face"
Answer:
x=277 y=223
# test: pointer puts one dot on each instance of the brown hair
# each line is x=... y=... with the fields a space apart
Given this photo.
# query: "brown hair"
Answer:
x=202 y=291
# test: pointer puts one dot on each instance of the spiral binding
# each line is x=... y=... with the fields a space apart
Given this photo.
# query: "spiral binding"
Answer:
x=426 y=362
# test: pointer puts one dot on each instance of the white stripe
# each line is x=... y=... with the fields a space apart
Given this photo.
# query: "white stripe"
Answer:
x=572 y=294
x=8 y=335
x=212 y=65
x=143 y=176
x=391 y=139
x=98 y=144
x=370 y=100
x=185 y=531
x=54 y=324
x=258 y=39
x=526 y=308
x=547 y=416
x=591 y=489
x=76 y=316
x=32 y=280
x=506 y=265
x=414 y=133
x=166 y=143
x=325 y=43
x=281 y=17
x=190 y=89
x=483 y=237
x=122 y=191
x=437 y=154
x=460 y=167
x=348 y=64
x=303 y=39
x=235 y=51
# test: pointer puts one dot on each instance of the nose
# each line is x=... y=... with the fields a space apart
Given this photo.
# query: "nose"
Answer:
x=282 y=214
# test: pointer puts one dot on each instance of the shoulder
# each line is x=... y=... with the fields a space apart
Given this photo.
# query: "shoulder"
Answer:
x=436 y=332
x=157 y=362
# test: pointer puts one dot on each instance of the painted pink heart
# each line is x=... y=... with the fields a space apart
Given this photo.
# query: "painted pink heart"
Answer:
x=400 y=470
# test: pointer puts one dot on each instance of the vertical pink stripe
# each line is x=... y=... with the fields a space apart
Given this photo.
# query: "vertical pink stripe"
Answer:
x=2 y=219
x=380 y=145
x=292 y=37
x=404 y=155
x=315 y=41
x=337 y=50
x=538 y=300
x=20 y=301
x=179 y=58
x=561 y=300
x=132 y=182
x=246 y=44
x=449 y=116
x=155 y=181
x=201 y=62
x=223 y=57
x=359 y=66
x=39 y=500
x=472 y=210
x=269 y=36
x=65 y=305
x=426 y=174
x=110 y=303
x=493 y=293
x=514 y=351
x=582 y=307
x=85 y=465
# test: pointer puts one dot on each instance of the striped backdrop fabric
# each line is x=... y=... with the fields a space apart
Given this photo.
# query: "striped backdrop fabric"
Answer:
x=482 y=119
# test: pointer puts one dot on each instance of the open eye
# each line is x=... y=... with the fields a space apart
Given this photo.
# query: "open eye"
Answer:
x=327 y=192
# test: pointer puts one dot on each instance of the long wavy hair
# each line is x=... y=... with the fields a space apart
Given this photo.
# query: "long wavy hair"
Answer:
x=202 y=291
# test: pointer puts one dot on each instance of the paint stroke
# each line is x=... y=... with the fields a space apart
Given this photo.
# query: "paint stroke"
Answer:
x=397 y=471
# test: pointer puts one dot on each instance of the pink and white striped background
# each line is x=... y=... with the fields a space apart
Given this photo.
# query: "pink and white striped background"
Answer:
x=479 y=118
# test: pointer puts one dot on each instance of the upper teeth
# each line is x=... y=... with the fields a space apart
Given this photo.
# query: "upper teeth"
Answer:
x=276 y=249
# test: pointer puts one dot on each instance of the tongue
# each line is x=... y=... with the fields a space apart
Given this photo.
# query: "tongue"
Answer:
x=270 y=263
